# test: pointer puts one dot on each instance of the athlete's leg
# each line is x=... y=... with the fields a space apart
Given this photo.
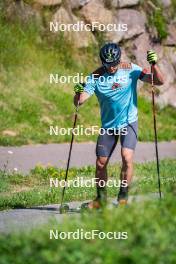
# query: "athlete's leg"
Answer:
x=127 y=165
x=101 y=170
x=101 y=177
x=104 y=149
x=128 y=144
x=105 y=146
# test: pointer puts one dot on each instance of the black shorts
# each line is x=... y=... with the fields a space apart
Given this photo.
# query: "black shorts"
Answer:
x=107 y=141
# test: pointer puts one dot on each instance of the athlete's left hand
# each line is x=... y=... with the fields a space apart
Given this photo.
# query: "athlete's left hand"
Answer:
x=152 y=57
x=78 y=88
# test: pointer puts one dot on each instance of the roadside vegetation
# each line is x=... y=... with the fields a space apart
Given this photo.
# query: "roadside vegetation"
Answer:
x=23 y=191
x=29 y=104
x=151 y=238
x=150 y=225
x=150 y=228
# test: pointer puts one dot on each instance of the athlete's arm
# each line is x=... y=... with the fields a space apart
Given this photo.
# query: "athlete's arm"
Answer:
x=85 y=90
x=82 y=97
x=158 y=76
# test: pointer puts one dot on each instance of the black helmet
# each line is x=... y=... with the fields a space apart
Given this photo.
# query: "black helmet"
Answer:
x=110 y=54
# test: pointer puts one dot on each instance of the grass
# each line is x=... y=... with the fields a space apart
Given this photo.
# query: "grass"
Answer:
x=150 y=228
x=19 y=191
x=158 y=21
x=29 y=104
x=165 y=122
x=160 y=17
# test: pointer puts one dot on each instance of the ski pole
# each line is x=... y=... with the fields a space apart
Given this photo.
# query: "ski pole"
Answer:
x=70 y=150
x=155 y=132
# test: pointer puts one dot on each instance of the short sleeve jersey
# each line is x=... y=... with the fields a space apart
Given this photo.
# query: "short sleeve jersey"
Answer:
x=117 y=95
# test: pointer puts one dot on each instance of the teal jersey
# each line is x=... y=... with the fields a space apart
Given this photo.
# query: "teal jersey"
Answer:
x=117 y=95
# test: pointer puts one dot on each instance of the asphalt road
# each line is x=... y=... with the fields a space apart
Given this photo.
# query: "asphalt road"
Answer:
x=25 y=158
x=16 y=220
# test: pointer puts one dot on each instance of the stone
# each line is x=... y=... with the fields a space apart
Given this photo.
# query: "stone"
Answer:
x=23 y=12
x=166 y=3
x=91 y=13
x=46 y=120
x=159 y=50
x=140 y=47
x=167 y=60
x=48 y=2
x=171 y=55
x=171 y=38
x=95 y=11
x=132 y=20
x=168 y=97
x=124 y=56
x=135 y=22
x=124 y=3
x=78 y=38
x=76 y=4
x=169 y=73
x=114 y=3
x=9 y=133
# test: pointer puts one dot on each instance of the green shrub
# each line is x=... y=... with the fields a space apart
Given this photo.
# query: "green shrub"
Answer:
x=160 y=24
x=151 y=238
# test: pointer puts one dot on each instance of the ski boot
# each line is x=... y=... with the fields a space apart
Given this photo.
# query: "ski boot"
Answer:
x=99 y=202
x=123 y=196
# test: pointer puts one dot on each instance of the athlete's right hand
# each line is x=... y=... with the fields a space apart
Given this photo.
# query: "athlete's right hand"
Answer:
x=152 y=57
x=79 y=88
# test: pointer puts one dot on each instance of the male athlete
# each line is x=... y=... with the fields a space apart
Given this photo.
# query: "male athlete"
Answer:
x=115 y=85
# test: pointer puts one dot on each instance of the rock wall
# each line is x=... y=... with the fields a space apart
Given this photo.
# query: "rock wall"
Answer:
x=146 y=23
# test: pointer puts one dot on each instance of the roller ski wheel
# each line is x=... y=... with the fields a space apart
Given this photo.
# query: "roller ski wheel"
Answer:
x=64 y=208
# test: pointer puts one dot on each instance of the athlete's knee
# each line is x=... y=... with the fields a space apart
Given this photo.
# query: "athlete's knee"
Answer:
x=101 y=163
x=127 y=157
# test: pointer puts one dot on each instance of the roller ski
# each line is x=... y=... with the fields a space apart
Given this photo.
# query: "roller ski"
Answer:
x=66 y=209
